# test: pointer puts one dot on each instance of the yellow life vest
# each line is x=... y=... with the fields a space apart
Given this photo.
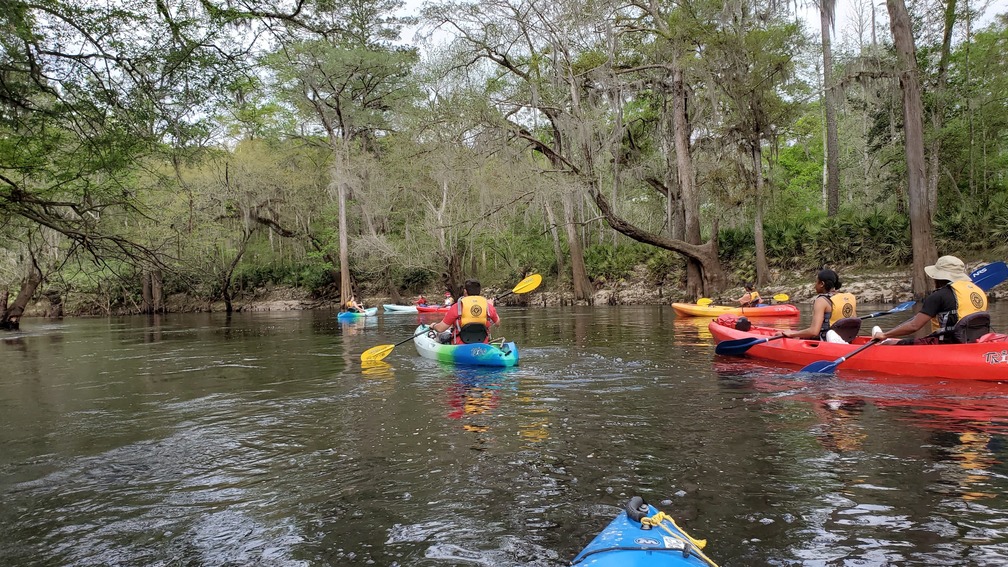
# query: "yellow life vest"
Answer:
x=844 y=306
x=754 y=297
x=472 y=323
x=473 y=309
x=969 y=299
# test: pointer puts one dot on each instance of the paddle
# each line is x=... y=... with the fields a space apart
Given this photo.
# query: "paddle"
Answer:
x=738 y=347
x=826 y=367
x=781 y=297
x=990 y=276
x=379 y=352
x=704 y=301
x=901 y=307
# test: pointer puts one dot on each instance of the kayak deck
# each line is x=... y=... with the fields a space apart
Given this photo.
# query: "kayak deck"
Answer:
x=642 y=536
x=477 y=354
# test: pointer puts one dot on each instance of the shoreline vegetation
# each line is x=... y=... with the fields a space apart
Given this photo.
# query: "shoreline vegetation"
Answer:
x=869 y=286
x=250 y=159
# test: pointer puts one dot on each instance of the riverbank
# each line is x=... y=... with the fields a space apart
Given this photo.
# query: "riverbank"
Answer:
x=869 y=286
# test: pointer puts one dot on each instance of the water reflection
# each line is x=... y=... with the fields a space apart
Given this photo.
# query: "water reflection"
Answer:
x=475 y=393
x=377 y=369
x=957 y=435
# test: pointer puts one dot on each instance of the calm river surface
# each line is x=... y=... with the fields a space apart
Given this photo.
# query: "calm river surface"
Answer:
x=260 y=440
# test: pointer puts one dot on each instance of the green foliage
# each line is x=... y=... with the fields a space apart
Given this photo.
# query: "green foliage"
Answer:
x=973 y=225
x=608 y=262
x=808 y=241
x=313 y=276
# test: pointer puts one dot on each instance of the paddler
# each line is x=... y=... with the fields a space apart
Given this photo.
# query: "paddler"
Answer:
x=956 y=297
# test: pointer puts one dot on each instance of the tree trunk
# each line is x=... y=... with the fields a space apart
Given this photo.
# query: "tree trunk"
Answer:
x=938 y=112
x=12 y=316
x=762 y=268
x=555 y=234
x=4 y=298
x=157 y=291
x=579 y=272
x=453 y=276
x=346 y=286
x=922 y=238
x=826 y=11
x=147 y=302
x=686 y=178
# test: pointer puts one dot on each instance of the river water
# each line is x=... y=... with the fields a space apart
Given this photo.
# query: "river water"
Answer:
x=259 y=439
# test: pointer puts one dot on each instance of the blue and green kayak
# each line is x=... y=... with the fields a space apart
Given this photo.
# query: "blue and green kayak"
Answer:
x=477 y=354
x=355 y=315
x=640 y=536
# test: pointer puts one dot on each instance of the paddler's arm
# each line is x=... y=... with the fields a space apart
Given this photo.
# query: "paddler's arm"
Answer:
x=906 y=328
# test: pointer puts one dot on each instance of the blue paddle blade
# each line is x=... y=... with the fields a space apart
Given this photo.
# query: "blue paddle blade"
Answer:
x=990 y=276
x=901 y=307
x=820 y=367
x=737 y=347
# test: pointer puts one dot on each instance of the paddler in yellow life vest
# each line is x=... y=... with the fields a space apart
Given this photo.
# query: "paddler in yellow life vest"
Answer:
x=751 y=297
x=956 y=296
x=469 y=319
x=353 y=306
x=828 y=307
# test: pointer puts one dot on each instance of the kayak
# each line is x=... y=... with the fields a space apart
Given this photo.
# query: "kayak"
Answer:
x=354 y=315
x=625 y=542
x=432 y=309
x=477 y=354
x=694 y=310
x=395 y=308
x=986 y=359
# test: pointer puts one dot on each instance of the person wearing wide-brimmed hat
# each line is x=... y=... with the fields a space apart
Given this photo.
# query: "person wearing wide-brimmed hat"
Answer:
x=956 y=297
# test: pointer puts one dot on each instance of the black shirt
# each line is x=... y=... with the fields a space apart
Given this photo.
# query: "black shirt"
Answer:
x=940 y=300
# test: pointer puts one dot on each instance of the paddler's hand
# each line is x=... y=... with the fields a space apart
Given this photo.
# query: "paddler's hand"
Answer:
x=877 y=333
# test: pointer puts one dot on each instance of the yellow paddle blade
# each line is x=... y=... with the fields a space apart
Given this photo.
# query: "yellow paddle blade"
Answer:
x=528 y=284
x=781 y=297
x=704 y=301
x=374 y=354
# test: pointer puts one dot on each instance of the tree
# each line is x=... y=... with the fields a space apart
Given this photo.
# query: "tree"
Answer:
x=88 y=91
x=345 y=75
x=921 y=232
x=827 y=11
x=753 y=65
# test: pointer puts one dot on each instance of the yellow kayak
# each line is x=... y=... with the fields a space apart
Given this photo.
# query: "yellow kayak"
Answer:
x=694 y=310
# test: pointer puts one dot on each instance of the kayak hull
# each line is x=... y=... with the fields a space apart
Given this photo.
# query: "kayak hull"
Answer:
x=395 y=308
x=355 y=315
x=432 y=309
x=624 y=543
x=976 y=361
x=694 y=310
x=478 y=354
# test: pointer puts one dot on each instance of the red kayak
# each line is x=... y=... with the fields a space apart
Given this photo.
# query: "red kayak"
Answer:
x=986 y=359
x=432 y=309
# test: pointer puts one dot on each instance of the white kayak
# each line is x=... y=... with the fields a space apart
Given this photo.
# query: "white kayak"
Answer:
x=395 y=308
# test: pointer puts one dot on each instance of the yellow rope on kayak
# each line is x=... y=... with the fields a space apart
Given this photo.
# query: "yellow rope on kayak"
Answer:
x=656 y=521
